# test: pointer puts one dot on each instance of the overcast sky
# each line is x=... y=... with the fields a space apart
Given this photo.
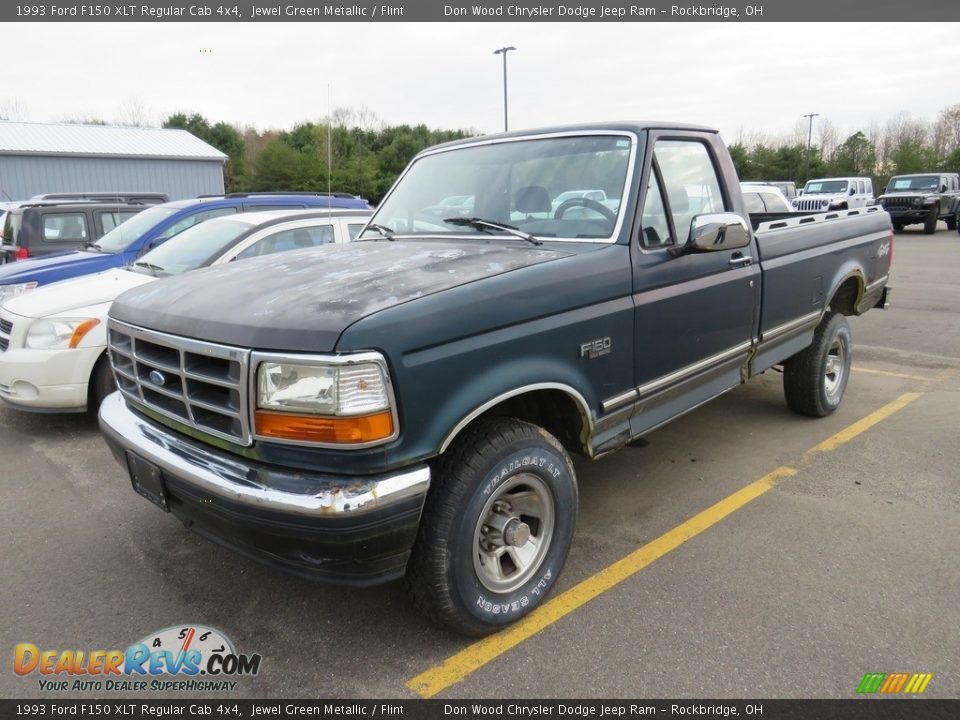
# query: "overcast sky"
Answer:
x=754 y=76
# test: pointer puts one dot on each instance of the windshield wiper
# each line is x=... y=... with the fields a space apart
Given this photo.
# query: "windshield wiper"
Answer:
x=383 y=230
x=156 y=269
x=481 y=224
x=93 y=246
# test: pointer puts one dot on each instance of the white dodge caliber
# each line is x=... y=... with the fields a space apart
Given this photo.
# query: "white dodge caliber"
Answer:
x=53 y=340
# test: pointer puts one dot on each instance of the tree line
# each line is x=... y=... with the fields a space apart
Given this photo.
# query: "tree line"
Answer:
x=899 y=147
x=349 y=152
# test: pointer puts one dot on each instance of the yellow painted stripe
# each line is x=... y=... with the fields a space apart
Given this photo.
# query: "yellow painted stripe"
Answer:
x=861 y=426
x=923 y=685
x=886 y=373
x=457 y=667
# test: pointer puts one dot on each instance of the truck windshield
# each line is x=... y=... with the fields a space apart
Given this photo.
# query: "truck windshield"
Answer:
x=924 y=182
x=194 y=247
x=534 y=185
x=128 y=232
x=825 y=186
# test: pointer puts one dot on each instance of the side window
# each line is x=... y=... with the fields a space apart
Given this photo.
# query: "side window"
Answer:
x=691 y=182
x=654 y=227
x=775 y=204
x=65 y=227
x=294 y=239
x=191 y=220
x=109 y=220
x=354 y=229
x=754 y=203
x=860 y=188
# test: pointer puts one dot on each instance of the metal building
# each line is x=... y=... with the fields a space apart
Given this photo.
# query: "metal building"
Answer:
x=40 y=158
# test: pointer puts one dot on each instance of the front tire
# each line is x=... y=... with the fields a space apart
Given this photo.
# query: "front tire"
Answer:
x=930 y=224
x=953 y=221
x=102 y=384
x=496 y=527
x=815 y=379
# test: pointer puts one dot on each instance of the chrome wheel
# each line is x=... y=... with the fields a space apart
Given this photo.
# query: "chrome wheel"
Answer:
x=513 y=533
x=835 y=368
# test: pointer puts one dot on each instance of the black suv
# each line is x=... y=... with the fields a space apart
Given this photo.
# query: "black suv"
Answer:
x=43 y=227
x=923 y=198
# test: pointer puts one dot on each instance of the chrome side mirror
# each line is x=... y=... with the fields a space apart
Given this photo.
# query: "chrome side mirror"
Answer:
x=717 y=231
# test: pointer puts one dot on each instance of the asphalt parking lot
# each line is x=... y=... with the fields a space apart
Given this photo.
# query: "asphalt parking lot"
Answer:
x=764 y=555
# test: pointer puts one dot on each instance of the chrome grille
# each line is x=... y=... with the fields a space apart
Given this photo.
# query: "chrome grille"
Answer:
x=198 y=383
x=6 y=330
x=810 y=205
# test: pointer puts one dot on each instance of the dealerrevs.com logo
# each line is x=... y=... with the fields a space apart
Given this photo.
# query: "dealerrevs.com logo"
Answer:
x=186 y=658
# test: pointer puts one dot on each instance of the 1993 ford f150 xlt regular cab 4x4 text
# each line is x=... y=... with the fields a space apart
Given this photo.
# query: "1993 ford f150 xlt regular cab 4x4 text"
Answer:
x=406 y=404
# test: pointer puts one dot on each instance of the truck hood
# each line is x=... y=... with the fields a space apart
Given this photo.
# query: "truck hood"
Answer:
x=49 y=268
x=303 y=300
x=60 y=298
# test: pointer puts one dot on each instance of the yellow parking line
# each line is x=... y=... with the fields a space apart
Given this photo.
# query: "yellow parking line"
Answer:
x=851 y=431
x=887 y=373
x=458 y=666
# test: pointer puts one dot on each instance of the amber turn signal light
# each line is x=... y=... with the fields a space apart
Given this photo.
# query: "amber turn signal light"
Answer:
x=82 y=329
x=311 y=428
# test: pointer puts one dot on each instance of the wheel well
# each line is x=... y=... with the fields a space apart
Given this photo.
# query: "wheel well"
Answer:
x=845 y=299
x=553 y=410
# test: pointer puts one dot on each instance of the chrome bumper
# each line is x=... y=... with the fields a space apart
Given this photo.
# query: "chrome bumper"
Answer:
x=259 y=487
x=354 y=530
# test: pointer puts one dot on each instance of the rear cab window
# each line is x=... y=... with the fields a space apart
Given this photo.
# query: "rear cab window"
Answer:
x=64 y=227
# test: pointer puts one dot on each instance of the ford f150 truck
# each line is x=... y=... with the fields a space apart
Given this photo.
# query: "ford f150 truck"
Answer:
x=406 y=405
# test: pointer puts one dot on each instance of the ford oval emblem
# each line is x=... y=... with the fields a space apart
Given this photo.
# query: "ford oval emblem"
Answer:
x=157 y=378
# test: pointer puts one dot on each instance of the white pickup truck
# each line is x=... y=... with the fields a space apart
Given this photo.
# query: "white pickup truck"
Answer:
x=53 y=340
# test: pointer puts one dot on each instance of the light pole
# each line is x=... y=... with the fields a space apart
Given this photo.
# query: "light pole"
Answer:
x=503 y=51
x=806 y=172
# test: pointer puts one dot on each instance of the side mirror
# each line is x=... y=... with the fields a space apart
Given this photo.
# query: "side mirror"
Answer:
x=943 y=188
x=799 y=193
x=853 y=191
x=717 y=231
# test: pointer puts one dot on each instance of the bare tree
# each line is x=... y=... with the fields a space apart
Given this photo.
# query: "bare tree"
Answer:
x=133 y=113
x=12 y=109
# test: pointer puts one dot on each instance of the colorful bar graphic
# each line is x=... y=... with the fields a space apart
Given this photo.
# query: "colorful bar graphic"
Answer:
x=894 y=683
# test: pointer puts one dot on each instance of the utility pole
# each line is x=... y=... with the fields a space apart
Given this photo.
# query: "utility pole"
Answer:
x=503 y=51
x=806 y=172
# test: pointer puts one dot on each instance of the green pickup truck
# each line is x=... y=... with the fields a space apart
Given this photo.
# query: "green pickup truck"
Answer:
x=407 y=405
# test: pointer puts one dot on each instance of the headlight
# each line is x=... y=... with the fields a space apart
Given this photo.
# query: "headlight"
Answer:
x=58 y=333
x=9 y=291
x=916 y=201
x=324 y=403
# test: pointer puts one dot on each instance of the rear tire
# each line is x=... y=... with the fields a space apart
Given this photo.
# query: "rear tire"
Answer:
x=930 y=224
x=496 y=527
x=952 y=221
x=897 y=226
x=102 y=384
x=815 y=379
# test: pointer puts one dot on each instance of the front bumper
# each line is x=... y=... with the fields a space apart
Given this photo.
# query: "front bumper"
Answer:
x=909 y=215
x=342 y=529
x=47 y=380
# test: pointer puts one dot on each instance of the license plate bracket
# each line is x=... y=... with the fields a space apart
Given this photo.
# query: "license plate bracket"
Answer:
x=147 y=480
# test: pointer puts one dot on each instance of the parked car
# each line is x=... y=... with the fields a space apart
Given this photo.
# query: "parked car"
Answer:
x=924 y=198
x=407 y=404
x=760 y=198
x=53 y=340
x=38 y=228
x=452 y=206
x=140 y=198
x=787 y=187
x=147 y=230
x=825 y=194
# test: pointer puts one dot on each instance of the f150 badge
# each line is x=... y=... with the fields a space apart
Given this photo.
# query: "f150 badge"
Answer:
x=595 y=348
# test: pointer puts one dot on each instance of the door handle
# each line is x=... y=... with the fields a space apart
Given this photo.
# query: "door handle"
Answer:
x=740 y=260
